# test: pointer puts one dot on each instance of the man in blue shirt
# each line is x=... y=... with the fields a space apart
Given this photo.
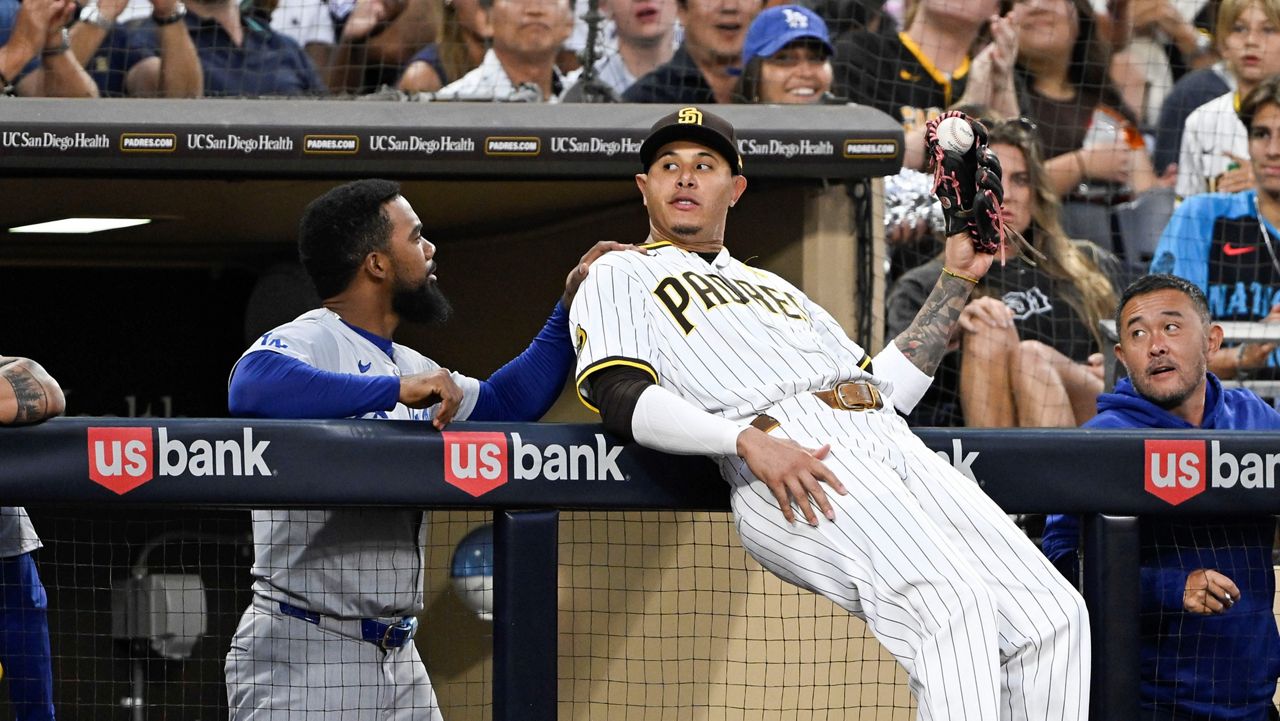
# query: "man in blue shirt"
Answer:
x=165 y=66
x=336 y=593
x=701 y=70
x=1210 y=649
x=240 y=55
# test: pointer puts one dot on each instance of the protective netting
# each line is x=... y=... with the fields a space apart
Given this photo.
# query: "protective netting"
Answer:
x=662 y=615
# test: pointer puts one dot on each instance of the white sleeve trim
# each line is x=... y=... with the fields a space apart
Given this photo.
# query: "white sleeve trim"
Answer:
x=470 y=393
x=666 y=422
x=909 y=382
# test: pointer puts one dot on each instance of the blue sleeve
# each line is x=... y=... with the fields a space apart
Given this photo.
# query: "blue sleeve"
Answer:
x=1061 y=536
x=272 y=385
x=525 y=388
x=1162 y=589
x=308 y=77
x=430 y=54
x=1183 y=249
x=311 y=77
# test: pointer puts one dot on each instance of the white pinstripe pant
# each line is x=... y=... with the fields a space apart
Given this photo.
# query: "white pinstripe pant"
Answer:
x=984 y=625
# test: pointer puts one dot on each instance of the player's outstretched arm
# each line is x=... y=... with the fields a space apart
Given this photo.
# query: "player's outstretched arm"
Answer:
x=924 y=342
x=525 y=388
x=28 y=394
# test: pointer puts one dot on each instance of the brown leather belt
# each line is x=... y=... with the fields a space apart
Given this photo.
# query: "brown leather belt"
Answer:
x=852 y=396
x=846 y=396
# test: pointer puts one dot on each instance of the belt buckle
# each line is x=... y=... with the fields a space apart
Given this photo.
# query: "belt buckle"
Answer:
x=857 y=405
x=405 y=630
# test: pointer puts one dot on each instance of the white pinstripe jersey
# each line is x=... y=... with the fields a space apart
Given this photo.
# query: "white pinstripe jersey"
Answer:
x=732 y=339
x=352 y=562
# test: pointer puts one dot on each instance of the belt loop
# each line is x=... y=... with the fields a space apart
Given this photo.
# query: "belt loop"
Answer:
x=765 y=422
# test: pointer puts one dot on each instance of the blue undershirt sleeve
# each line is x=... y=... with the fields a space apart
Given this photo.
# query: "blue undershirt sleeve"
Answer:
x=526 y=387
x=1061 y=536
x=1162 y=589
x=272 y=385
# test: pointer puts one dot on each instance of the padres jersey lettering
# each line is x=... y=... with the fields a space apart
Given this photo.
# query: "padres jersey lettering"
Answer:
x=715 y=290
x=736 y=338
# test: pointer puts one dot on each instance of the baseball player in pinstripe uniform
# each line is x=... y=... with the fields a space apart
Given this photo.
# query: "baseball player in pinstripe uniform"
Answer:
x=329 y=634
x=688 y=350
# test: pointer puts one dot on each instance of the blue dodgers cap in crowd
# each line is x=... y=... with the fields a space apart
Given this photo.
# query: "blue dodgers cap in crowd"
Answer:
x=700 y=126
x=775 y=27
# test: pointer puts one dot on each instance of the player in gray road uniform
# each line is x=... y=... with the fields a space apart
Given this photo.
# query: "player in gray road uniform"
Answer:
x=28 y=394
x=688 y=350
x=329 y=634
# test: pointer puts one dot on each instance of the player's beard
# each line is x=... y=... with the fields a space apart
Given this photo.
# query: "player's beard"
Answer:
x=421 y=303
x=686 y=231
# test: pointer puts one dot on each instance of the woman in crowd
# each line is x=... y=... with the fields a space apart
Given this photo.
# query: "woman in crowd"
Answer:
x=1086 y=130
x=952 y=52
x=1029 y=340
x=786 y=58
x=464 y=39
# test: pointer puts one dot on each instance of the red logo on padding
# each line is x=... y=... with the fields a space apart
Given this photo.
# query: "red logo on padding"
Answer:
x=121 y=458
x=1177 y=471
x=475 y=462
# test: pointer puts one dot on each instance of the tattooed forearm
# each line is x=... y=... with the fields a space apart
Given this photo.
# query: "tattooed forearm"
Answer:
x=27 y=393
x=33 y=403
x=924 y=342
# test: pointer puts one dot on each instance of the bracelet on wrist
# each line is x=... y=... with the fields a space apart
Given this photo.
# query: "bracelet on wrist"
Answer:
x=63 y=46
x=1241 y=371
x=961 y=276
x=179 y=12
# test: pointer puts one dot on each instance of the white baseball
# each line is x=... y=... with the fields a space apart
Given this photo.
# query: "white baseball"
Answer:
x=955 y=134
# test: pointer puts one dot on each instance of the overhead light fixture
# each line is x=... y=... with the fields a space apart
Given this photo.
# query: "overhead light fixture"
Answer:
x=80 y=225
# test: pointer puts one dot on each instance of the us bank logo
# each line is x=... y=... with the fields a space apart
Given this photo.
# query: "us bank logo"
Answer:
x=1177 y=471
x=479 y=462
x=123 y=458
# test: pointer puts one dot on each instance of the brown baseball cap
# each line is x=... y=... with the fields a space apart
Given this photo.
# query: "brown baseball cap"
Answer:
x=698 y=125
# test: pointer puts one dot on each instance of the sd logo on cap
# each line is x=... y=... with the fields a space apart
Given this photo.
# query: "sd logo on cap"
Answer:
x=690 y=115
x=697 y=125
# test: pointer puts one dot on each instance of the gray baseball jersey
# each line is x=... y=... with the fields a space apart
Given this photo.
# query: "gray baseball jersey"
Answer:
x=17 y=535
x=984 y=626
x=349 y=563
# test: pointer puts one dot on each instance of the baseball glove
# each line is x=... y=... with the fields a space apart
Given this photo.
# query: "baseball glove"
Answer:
x=968 y=186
